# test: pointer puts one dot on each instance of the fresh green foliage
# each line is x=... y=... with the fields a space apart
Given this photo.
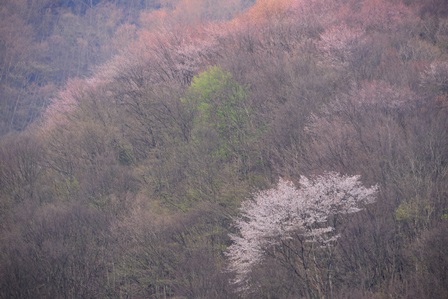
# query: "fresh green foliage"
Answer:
x=220 y=104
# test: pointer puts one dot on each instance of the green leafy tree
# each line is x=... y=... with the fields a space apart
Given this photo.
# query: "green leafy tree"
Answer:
x=218 y=101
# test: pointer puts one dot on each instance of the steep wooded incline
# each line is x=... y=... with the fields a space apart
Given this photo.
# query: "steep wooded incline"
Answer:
x=202 y=149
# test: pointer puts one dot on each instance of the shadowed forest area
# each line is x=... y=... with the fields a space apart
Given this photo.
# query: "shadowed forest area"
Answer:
x=150 y=149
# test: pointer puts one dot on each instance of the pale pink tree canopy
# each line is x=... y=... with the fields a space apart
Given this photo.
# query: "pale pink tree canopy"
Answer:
x=277 y=213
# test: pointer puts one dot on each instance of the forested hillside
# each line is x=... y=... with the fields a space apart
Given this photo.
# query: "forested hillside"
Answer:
x=224 y=149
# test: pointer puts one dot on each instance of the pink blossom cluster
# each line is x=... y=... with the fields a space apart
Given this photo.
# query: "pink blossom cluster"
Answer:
x=277 y=213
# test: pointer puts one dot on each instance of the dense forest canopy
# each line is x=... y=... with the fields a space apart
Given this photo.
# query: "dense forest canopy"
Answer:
x=43 y=43
x=223 y=149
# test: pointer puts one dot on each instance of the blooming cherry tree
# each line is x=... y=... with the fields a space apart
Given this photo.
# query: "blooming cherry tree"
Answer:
x=278 y=213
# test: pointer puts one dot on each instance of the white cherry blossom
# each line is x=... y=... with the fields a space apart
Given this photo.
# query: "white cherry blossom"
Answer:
x=281 y=212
